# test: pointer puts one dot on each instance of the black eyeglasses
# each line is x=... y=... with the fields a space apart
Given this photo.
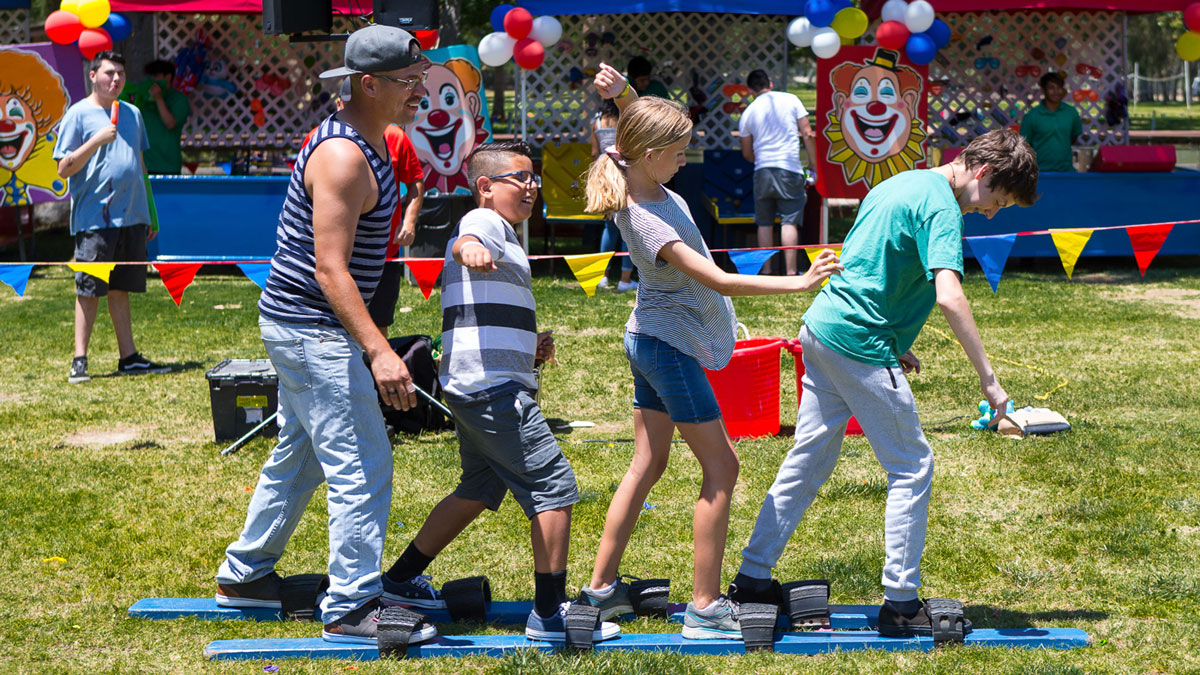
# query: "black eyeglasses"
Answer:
x=411 y=83
x=523 y=177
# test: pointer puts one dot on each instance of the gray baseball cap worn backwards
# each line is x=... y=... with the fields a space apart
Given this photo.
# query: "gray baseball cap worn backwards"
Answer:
x=377 y=49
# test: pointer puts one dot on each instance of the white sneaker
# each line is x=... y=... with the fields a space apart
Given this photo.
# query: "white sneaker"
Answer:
x=603 y=283
x=623 y=286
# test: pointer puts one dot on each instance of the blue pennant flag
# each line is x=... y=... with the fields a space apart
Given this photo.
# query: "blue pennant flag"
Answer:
x=750 y=262
x=992 y=252
x=16 y=276
x=256 y=272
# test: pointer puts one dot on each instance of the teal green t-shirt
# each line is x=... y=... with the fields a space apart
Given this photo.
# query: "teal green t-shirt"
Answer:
x=1050 y=134
x=908 y=226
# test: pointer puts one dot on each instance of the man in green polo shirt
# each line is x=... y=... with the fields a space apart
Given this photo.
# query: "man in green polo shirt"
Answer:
x=165 y=110
x=1052 y=126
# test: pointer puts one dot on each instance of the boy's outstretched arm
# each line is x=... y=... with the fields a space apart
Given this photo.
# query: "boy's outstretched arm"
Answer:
x=957 y=310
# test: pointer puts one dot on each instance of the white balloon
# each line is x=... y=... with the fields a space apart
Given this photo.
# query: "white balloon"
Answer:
x=826 y=42
x=546 y=30
x=918 y=16
x=893 y=10
x=800 y=32
x=495 y=49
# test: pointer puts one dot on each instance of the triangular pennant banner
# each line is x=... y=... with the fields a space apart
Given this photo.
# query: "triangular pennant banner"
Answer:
x=812 y=254
x=992 y=253
x=1070 y=244
x=426 y=272
x=256 y=272
x=1146 y=242
x=589 y=269
x=177 y=277
x=750 y=262
x=99 y=270
x=16 y=276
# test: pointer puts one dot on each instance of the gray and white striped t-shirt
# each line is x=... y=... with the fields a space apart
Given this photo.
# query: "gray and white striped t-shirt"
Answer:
x=489 y=320
x=672 y=306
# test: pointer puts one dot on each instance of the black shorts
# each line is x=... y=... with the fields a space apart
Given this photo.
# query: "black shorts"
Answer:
x=113 y=244
x=383 y=304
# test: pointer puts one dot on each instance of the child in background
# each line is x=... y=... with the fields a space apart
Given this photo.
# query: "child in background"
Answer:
x=681 y=324
x=491 y=341
x=604 y=134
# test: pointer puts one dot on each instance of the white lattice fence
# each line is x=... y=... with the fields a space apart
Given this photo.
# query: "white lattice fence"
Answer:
x=719 y=49
x=256 y=66
x=14 y=26
x=989 y=77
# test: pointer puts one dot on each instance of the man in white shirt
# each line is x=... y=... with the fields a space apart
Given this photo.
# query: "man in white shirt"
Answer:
x=770 y=130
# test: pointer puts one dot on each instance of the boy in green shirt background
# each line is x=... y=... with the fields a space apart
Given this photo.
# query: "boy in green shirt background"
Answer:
x=164 y=111
x=1051 y=127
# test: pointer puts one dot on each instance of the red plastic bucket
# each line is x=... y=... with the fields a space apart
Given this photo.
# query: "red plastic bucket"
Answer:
x=748 y=388
x=793 y=346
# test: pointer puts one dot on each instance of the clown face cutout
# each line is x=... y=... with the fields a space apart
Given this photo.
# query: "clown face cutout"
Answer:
x=874 y=127
x=33 y=98
x=449 y=124
x=18 y=131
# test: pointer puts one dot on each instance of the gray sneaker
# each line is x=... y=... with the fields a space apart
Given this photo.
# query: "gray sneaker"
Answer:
x=614 y=603
x=79 y=371
x=415 y=592
x=361 y=626
x=718 y=621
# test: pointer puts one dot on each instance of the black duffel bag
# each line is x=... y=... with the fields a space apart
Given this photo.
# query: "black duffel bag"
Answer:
x=417 y=353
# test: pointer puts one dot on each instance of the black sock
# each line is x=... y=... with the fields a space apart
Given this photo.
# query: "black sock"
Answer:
x=752 y=584
x=549 y=591
x=904 y=607
x=410 y=563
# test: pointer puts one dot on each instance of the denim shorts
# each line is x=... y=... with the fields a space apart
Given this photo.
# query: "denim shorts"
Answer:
x=669 y=381
x=778 y=192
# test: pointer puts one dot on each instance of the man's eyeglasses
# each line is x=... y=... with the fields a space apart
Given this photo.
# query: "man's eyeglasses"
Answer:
x=411 y=83
x=523 y=177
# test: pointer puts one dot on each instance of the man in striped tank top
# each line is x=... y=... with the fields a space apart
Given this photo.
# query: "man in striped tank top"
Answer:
x=331 y=239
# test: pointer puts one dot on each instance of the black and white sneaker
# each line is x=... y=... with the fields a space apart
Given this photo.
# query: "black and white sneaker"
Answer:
x=414 y=592
x=79 y=372
x=361 y=626
x=136 y=364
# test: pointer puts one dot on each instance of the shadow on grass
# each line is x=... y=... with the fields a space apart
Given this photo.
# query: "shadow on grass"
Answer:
x=987 y=616
x=175 y=368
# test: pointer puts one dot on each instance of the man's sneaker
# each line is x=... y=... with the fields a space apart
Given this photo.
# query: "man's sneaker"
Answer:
x=603 y=283
x=624 y=286
x=554 y=627
x=614 y=602
x=361 y=626
x=79 y=371
x=260 y=592
x=136 y=364
x=896 y=622
x=718 y=621
x=415 y=592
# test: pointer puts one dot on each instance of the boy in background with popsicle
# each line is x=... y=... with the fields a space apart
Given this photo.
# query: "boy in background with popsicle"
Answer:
x=99 y=152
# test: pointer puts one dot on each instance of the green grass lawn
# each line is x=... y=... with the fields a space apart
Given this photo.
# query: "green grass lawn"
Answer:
x=1097 y=528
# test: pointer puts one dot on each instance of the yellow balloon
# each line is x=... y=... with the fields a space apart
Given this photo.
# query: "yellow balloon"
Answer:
x=93 y=13
x=71 y=6
x=850 y=22
x=1188 y=46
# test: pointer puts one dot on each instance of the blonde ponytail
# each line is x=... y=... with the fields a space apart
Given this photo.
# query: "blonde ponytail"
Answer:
x=649 y=123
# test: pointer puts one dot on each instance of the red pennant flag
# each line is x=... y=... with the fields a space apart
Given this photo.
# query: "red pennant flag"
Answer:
x=177 y=277
x=1147 y=240
x=425 y=271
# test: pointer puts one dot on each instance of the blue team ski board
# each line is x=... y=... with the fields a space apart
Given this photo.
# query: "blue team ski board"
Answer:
x=819 y=642
x=842 y=617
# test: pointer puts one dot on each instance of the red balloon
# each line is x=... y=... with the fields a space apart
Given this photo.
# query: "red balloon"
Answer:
x=63 y=27
x=427 y=38
x=528 y=53
x=892 y=35
x=92 y=41
x=1191 y=17
x=517 y=23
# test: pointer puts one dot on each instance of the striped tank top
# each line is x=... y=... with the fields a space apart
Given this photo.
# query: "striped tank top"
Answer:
x=292 y=294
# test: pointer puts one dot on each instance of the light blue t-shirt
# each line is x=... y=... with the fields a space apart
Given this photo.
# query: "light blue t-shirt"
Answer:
x=908 y=226
x=108 y=191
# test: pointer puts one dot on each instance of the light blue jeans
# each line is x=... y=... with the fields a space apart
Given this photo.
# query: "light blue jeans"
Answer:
x=330 y=429
x=834 y=388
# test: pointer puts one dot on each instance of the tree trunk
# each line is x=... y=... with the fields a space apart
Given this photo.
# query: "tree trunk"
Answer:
x=451 y=14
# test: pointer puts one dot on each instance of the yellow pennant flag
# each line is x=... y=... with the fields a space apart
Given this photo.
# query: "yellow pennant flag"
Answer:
x=1070 y=244
x=589 y=269
x=99 y=270
x=812 y=254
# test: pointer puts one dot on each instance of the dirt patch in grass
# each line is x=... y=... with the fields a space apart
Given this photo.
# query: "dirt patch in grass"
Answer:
x=1182 y=301
x=101 y=437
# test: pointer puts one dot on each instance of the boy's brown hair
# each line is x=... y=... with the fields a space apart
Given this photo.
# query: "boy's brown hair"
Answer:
x=1012 y=163
x=490 y=159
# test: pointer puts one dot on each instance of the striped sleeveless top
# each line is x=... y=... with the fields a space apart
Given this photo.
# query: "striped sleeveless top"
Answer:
x=292 y=294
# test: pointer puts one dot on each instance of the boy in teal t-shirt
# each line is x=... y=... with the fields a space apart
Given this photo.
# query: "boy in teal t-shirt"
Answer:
x=903 y=256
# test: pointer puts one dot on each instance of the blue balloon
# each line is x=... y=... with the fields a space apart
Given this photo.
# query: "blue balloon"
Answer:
x=118 y=27
x=820 y=12
x=940 y=33
x=498 y=17
x=920 y=49
x=842 y=4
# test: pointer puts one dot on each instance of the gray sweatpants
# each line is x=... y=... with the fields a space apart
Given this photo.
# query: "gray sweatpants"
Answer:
x=834 y=388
